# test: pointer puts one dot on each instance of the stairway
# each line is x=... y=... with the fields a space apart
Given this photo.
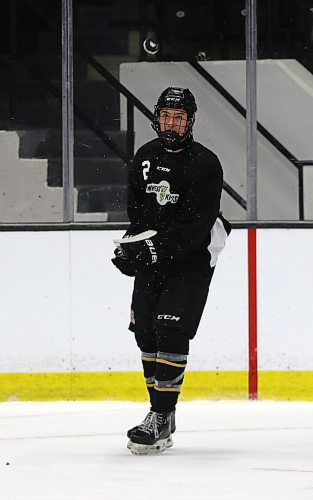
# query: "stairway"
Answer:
x=100 y=176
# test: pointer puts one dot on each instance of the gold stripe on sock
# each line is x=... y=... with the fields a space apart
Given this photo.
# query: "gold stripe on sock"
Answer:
x=148 y=359
x=166 y=389
x=170 y=363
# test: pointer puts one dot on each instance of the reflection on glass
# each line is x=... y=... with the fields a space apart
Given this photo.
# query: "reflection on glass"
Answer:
x=101 y=149
x=285 y=107
x=30 y=112
x=133 y=42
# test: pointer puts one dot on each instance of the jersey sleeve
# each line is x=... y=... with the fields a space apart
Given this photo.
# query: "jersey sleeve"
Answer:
x=201 y=204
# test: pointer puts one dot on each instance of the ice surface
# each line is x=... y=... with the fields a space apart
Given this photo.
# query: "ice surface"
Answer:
x=222 y=450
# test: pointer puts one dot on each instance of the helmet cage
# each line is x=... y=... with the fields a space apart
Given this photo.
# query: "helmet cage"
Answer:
x=175 y=98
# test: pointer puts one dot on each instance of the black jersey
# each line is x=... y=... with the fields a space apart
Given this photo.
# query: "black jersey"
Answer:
x=178 y=195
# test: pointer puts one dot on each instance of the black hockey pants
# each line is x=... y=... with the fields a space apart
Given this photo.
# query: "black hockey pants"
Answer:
x=165 y=315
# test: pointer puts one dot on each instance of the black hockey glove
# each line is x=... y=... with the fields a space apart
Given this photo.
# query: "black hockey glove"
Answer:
x=145 y=254
x=123 y=263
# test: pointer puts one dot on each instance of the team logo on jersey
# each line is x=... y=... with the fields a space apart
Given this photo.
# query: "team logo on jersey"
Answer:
x=163 y=192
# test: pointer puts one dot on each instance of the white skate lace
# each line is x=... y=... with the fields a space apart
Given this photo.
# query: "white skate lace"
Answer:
x=146 y=419
x=150 y=423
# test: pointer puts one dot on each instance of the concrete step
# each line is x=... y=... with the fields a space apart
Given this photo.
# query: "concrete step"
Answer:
x=102 y=18
x=28 y=90
x=50 y=65
x=111 y=199
x=47 y=143
x=104 y=43
x=87 y=171
x=40 y=115
x=95 y=19
x=34 y=115
x=89 y=91
x=96 y=96
x=111 y=63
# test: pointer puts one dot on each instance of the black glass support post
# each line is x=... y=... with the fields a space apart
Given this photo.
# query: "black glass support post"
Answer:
x=13 y=44
x=130 y=131
x=67 y=111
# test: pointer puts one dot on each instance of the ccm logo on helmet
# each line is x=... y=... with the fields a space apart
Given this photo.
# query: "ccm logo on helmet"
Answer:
x=168 y=316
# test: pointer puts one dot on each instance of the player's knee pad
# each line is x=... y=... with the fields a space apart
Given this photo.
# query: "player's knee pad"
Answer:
x=172 y=340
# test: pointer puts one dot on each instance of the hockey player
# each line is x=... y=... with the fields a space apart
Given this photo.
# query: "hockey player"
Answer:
x=171 y=247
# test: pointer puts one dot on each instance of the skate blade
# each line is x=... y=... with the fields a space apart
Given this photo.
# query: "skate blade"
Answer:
x=169 y=443
x=144 y=449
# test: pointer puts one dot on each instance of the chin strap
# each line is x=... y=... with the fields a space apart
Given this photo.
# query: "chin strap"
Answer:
x=177 y=142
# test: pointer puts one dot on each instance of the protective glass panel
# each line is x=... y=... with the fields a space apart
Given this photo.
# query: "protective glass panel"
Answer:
x=101 y=43
x=285 y=108
x=147 y=46
x=30 y=112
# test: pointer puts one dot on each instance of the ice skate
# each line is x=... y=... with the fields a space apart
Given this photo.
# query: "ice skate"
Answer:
x=169 y=442
x=151 y=437
x=133 y=429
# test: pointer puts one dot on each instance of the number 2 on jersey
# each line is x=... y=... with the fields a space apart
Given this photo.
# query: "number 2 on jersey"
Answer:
x=145 y=170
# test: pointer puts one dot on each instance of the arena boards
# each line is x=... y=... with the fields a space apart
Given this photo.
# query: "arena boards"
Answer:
x=129 y=386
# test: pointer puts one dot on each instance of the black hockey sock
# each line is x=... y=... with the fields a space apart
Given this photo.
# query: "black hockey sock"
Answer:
x=148 y=362
x=169 y=376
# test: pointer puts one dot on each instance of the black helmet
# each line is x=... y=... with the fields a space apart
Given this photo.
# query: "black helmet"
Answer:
x=178 y=98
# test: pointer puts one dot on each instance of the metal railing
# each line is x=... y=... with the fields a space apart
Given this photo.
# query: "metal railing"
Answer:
x=298 y=164
x=131 y=100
